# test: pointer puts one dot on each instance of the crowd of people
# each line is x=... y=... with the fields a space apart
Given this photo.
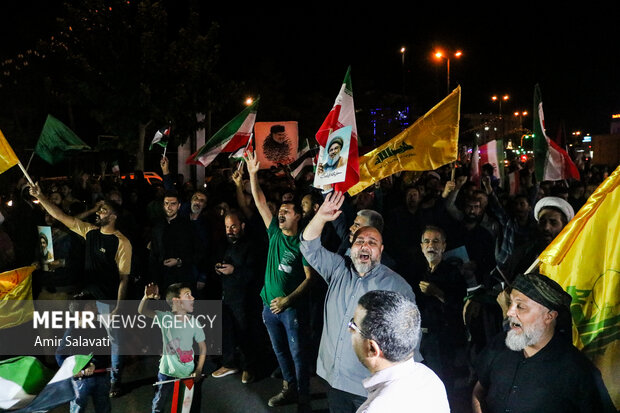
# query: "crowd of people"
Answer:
x=332 y=277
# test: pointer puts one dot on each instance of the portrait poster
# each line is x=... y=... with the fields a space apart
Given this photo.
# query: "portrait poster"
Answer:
x=276 y=143
x=332 y=161
x=46 y=247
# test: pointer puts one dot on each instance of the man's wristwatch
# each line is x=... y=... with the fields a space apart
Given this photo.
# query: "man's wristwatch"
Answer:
x=179 y=262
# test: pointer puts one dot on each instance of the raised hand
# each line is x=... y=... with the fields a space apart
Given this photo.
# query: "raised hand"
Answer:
x=460 y=181
x=35 y=190
x=165 y=168
x=330 y=208
x=237 y=177
x=252 y=163
x=151 y=291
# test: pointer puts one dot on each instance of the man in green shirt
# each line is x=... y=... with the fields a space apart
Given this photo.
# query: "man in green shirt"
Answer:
x=285 y=298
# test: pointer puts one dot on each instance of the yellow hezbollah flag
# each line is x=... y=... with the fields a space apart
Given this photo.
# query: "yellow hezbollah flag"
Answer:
x=585 y=260
x=426 y=145
x=16 y=304
x=8 y=158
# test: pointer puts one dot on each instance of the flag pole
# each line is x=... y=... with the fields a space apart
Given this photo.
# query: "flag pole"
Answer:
x=25 y=173
x=29 y=160
x=534 y=265
x=164 y=154
x=178 y=379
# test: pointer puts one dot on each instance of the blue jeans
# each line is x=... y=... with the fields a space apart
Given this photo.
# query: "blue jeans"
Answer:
x=114 y=335
x=163 y=393
x=98 y=387
x=289 y=336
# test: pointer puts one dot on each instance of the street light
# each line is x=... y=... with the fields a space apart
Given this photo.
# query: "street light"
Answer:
x=504 y=98
x=521 y=115
x=443 y=55
x=248 y=101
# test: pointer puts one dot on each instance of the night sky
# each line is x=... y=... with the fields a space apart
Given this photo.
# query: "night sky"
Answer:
x=574 y=54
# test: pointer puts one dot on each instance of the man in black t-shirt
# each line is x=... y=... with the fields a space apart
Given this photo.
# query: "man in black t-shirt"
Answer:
x=107 y=265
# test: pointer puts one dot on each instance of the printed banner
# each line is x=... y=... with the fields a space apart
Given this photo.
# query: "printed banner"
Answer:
x=332 y=163
x=276 y=143
x=46 y=244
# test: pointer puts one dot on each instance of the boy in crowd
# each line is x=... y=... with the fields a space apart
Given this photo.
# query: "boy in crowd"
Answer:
x=179 y=330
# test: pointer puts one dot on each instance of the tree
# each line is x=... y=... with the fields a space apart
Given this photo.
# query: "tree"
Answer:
x=132 y=68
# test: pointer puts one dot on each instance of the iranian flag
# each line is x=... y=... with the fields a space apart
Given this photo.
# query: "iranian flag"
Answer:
x=341 y=115
x=475 y=163
x=514 y=182
x=229 y=139
x=551 y=161
x=492 y=153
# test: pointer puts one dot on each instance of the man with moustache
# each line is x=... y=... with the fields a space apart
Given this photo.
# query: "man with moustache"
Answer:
x=478 y=242
x=534 y=367
x=440 y=292
x=107 y=266
x=237 y=270
x=348 y=278
x=551 y=214
x=364 y=218
x=286 y=306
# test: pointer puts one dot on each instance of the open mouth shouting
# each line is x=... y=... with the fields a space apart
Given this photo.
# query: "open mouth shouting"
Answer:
x=515 y=325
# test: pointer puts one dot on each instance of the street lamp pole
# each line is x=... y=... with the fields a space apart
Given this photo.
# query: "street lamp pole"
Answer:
x=439 y=55
x=402 y=53
x=520 y=115
x=495 y=98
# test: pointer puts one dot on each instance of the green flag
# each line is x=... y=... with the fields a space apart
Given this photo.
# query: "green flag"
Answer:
x=31 y=387
x=56 y=140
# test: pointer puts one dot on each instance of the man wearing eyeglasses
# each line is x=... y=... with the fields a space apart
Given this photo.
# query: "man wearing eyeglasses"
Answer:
x=384 y=333
x=348 y=278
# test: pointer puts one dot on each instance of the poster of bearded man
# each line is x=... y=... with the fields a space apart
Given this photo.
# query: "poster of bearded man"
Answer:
x=276 y=143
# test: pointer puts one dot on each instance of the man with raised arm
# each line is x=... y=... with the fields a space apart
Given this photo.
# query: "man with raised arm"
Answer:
x=348 y=278
x=107 y=265
x=285 y=299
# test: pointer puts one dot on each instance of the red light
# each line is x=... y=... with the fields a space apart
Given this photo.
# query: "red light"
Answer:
x=523 y=158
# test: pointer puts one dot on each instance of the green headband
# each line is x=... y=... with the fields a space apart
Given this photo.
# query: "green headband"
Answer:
x=543 y=290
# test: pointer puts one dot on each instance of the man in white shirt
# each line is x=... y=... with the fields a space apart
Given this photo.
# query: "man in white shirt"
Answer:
x=384 y=333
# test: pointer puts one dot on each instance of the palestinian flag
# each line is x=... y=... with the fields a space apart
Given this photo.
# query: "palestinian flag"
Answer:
x=29 y=386
x=241 y=153
x=305 y=157
x=551 y=161
x=229 y=139
x=161 y=137
x=341 y=115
